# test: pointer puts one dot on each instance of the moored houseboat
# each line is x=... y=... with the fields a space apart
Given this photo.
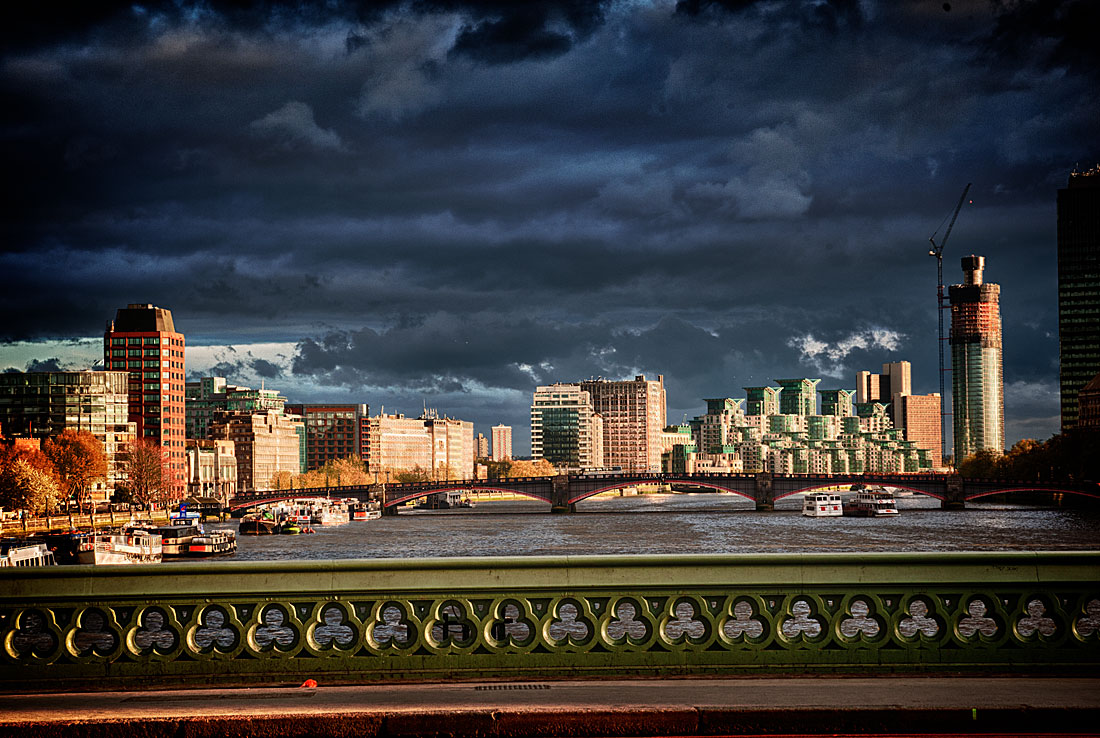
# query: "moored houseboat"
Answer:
x=213 y=543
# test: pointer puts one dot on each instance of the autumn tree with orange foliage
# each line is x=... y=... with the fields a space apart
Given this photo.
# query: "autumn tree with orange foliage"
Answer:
x=78 y=461
x=27 y=481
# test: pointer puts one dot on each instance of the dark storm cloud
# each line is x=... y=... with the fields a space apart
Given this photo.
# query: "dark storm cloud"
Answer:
x=49 y=365
x=469 y=198
x=266 y=369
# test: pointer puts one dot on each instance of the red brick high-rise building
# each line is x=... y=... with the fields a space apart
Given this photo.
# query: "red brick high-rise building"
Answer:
x=142 y=340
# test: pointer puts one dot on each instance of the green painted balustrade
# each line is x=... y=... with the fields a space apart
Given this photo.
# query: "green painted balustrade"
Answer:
x=213 y=623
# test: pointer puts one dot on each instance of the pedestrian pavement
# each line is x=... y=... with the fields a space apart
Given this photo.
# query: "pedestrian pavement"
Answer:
x=901 y=705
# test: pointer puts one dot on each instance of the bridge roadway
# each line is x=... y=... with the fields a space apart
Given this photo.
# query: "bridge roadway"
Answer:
x=563 y=492
x=607 y=707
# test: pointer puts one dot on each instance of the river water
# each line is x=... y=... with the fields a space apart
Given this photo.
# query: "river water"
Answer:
x=680 y=524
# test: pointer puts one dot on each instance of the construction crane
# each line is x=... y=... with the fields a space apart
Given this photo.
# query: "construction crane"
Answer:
x=937 y=251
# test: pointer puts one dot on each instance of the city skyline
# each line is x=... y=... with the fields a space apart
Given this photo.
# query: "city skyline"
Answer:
x=451 y=204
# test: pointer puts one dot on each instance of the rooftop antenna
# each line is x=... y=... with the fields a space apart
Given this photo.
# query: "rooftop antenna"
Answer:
x=937 y=251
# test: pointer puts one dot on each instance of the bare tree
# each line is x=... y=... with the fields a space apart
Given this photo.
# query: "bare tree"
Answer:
x=148 y=473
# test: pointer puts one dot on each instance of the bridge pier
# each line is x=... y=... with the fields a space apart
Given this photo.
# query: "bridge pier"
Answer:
x=765 y=492
x=559 y=497
x=955 y=498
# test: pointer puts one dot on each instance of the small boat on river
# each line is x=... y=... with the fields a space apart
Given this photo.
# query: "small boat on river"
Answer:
x=366 y=511
x=258 y=524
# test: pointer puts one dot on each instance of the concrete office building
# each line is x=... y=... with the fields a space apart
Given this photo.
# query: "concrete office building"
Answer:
x=895 y=381
x=209 y=395
x=566 y=430
x=481 y=446
x=41 y=405
x=265 y=443
x=142 y=340
x=332 y=431
x=502 y=442
x=977 y=374
x=443 y=447
x=910 y=416
x=1078 y=288
x=633 y=413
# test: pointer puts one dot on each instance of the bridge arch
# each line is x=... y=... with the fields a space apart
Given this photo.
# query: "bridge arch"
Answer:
x=418 y=493
x=1095 y=495
x=663 y=479
x=893 y=485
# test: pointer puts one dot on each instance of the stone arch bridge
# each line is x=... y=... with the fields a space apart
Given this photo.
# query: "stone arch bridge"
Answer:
x=563 y=492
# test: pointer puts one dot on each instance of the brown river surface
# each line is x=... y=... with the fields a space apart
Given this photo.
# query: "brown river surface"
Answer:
x=680 y=524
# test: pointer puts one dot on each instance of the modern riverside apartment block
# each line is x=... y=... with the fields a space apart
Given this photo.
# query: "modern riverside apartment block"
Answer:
x=41 y=405
x=977 y=373
x=836 y=441
x=566 y=430
x=142 y=340
x=798 y=396
x=1078 y=288
x=836 y=402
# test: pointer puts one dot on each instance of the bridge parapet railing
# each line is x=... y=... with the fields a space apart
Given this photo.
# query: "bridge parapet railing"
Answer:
x=544 y=617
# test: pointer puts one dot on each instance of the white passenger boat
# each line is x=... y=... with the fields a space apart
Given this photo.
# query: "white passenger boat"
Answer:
x=135 y=547
x=822 y=505
x=871 y=503
x=27 y=554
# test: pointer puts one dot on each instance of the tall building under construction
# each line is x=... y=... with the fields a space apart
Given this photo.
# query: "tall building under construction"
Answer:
x=977 y=373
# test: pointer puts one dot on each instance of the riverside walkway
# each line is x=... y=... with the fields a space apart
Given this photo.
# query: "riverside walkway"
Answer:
x=795 y=705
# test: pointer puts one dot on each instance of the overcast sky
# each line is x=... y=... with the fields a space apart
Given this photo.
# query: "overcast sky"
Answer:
x=447 y=203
